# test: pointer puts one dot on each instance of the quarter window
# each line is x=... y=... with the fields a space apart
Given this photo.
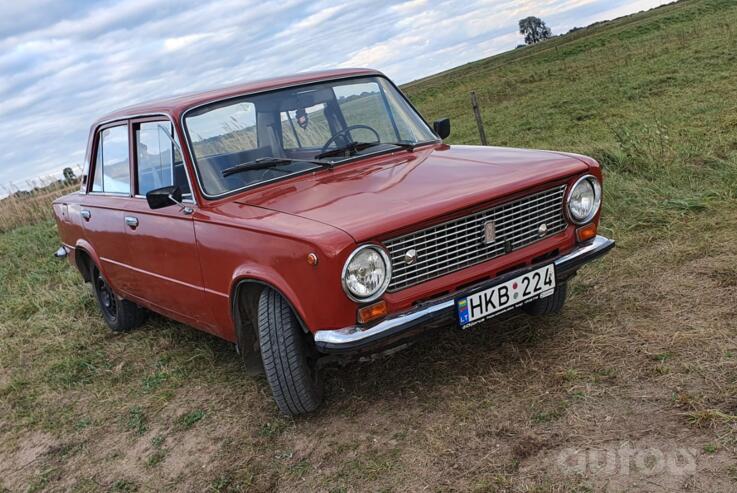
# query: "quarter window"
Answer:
x=112 y=169
x=160 y=163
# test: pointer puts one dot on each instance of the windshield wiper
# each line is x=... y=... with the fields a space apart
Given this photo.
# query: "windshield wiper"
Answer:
x=354 y=147
x=271 y=162
x=404 y=145
x=347 y=150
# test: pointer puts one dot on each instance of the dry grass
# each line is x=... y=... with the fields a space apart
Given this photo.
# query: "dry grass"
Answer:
x=644 y=356
x=20 y=208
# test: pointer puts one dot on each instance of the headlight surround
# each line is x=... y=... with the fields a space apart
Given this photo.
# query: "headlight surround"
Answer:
x=366 y=273
x=584 y=199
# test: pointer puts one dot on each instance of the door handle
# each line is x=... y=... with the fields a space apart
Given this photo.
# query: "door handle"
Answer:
x=86 y=215
x=131 y=221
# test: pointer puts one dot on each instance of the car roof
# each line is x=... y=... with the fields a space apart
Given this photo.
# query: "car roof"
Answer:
x=176 y=105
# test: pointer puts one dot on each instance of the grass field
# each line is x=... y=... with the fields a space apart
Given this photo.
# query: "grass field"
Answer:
x=642 y=359
x=33 y=206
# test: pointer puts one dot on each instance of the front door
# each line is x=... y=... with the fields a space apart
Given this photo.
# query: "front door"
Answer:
x=164 y=267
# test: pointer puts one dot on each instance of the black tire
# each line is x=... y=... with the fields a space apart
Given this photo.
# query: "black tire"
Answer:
x=119 y=314
x=289 y=361
x=550 y=304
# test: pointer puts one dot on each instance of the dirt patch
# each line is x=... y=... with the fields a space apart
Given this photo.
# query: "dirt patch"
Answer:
x=22 y=458
x=641 y=465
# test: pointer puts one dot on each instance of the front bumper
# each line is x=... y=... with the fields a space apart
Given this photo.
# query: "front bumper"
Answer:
x=441 y=310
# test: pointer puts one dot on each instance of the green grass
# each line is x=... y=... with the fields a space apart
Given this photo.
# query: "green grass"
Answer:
x=644 y=348
x=187 y=421
x=653 y=97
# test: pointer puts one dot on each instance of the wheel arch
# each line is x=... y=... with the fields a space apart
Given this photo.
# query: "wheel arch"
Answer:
x=244 y=298
x=85 y=257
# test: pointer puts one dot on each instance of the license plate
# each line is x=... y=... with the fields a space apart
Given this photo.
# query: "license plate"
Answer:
x=475 y=308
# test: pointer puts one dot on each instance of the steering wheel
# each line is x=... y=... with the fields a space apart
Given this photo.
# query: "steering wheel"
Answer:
x=347 y=129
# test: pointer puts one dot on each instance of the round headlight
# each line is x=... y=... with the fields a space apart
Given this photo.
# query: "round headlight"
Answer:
x=366 y=273
x=584 y=200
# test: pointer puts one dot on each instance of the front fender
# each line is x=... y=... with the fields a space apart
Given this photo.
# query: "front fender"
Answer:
x=268 y=278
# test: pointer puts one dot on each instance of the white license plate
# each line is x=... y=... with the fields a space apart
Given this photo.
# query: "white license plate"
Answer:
x=477 y=307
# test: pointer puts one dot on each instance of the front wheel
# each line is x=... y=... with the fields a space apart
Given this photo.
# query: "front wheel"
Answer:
x=289 y=361
x=119 y=314
x=549 y=304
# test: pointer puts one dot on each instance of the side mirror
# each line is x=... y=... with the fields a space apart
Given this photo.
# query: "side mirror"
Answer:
x=164 y=197
x=442 y=127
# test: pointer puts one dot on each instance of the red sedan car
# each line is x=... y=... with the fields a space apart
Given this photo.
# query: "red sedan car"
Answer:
x=318 y=214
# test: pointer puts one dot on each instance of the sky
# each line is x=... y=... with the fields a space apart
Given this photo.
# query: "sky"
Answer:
x=63 y=63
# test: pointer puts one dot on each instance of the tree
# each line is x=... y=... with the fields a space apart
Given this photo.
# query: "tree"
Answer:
x=534 y=30
x=69 y=175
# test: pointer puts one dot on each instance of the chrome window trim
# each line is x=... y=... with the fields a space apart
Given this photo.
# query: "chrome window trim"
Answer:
x=278 y=88
x=110 y=194
x=184 y=201
x=597 y=200
x=387 y=278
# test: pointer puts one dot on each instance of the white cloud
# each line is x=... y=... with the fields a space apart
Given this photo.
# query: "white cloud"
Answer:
x=63 y=63
x=179 y=42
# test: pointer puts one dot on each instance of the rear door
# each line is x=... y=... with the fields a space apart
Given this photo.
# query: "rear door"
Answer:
x=163 y=260
x=101 y=209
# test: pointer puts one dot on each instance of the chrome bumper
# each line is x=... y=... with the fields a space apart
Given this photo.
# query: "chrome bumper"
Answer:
x=61 y=252
x=440 y=310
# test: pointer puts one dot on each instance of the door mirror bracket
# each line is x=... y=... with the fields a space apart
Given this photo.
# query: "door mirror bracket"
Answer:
x=166 y=196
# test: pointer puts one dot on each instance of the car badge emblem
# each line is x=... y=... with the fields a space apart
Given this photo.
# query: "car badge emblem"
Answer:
x=410 y=257
x=489 y=232
x=542 y=229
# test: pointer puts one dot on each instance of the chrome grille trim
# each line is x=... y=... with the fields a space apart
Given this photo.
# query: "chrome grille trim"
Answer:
x=459 y=243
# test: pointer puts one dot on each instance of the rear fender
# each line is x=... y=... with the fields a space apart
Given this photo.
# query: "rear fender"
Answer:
x=84 y=246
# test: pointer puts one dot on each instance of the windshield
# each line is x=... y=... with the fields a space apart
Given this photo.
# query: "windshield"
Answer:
x=318 y=121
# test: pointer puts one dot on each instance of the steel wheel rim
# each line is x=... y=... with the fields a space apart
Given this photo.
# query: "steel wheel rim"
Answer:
x=107 y=298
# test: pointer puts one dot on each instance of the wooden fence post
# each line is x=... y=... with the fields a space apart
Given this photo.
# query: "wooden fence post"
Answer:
x=477 y=114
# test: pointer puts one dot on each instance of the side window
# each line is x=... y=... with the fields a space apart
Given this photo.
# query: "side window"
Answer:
x=160 y=163
x=97 y=181
x=305 y=127
x=289 y=137
x=112 y=171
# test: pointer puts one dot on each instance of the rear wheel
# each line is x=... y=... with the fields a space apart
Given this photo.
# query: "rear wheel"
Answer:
x=119 y=314
x=290 y=362
x=550 y=304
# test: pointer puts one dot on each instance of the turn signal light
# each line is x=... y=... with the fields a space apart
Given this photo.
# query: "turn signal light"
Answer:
x=372 y=312
x=585 y=233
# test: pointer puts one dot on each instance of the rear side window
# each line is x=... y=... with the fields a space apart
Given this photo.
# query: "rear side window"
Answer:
x=160 y=163
x=112 y=170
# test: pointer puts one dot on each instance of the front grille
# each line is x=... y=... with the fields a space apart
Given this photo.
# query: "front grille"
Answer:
x=459 y=243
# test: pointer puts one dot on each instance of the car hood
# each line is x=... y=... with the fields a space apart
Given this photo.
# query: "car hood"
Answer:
x=380 y=195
